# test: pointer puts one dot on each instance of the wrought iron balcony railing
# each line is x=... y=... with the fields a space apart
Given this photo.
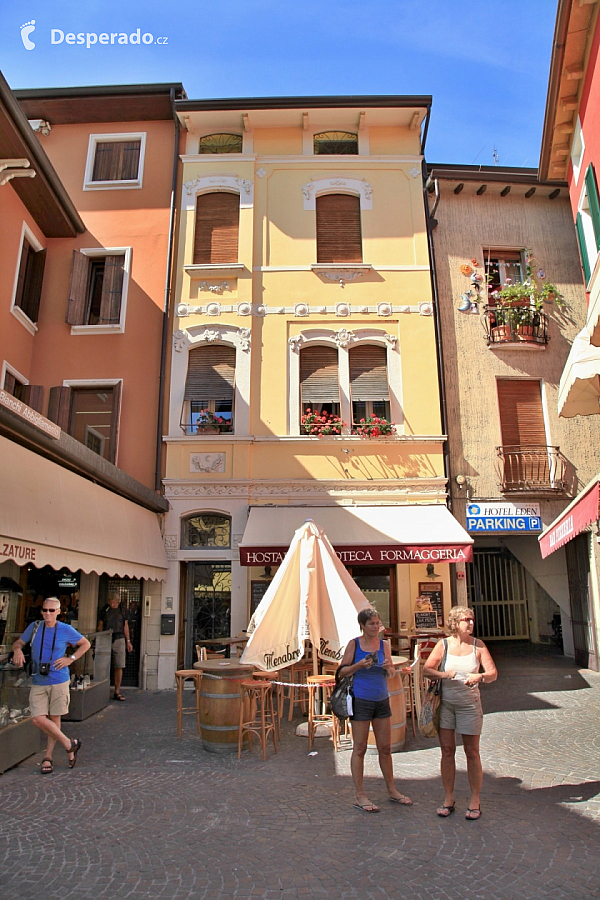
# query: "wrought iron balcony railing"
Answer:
x=515 y=325
x=531 y=469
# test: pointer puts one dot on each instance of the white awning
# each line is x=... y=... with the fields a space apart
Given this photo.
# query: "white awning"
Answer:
x=359 y=534
x=579 y=388
x=50 y=516
x=593 y=319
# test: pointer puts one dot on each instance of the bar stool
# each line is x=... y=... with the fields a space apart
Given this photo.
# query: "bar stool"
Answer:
x=257 y=696
x=326 y=683
x=181 y=676
x=298 y=675
x=259 y=675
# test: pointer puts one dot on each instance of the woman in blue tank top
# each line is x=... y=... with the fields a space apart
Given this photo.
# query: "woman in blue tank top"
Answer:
x=368 y=659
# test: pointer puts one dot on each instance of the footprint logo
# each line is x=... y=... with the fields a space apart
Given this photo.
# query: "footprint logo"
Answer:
x=26 y=30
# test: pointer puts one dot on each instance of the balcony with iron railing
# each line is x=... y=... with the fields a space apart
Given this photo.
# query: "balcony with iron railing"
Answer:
x=520 y=326
x=531 y=470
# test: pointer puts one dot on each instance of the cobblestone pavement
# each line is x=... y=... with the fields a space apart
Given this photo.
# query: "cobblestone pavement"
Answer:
x=144 y=815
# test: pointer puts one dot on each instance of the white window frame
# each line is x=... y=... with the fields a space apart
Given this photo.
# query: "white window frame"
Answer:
x=577 y=150
x=326 y=337
x=133 y=183
x=6 y=367
x=17 y=312
x=100 y=383
x=100 y=252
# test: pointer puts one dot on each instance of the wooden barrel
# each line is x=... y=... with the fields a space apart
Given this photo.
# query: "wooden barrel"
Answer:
x=220 y=703
x=398 y=720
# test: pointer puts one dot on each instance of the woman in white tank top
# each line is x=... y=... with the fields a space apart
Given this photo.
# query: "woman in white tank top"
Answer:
x=461 y=703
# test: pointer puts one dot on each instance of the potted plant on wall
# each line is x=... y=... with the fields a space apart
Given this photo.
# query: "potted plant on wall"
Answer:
x=374 y=426
x=208 y=422
x=321 y=423
x=515 y=308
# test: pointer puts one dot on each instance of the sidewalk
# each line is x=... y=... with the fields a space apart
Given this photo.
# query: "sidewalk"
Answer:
x=144 y=815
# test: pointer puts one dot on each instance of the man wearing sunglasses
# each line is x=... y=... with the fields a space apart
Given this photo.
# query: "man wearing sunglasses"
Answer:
x=49 y=695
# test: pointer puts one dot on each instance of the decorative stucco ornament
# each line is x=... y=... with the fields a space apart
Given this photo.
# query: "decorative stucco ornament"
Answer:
x=301 y=309
x=245 y=335
x=425 y=309
x=384 y=309
x=244 y=309
x=343 y=337
x=342 y=309
x=183 y=310
x=180 y=339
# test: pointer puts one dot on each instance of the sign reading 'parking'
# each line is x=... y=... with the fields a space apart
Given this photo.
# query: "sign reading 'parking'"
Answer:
x=502 y=517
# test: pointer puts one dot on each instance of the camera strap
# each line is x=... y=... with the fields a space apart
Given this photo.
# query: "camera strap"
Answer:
x=42 y=642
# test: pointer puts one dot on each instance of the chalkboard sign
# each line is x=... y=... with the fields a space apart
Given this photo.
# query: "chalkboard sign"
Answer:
x=435 y=591
x=258 y=589
x=425 y=620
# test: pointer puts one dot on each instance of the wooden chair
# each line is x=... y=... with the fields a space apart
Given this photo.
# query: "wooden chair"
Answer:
x=408 y=679
x=259 y=675
x=206 y=653
x=321 y=716
x=257 y=716
x=181 y=676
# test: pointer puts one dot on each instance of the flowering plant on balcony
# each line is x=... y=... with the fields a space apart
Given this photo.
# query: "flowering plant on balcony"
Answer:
x=373 y=426
x=533 y=291
x=317 y=423
x=206 y=420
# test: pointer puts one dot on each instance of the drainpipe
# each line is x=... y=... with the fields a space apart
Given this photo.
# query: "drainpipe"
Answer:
x=430 y=224
x=168 y=285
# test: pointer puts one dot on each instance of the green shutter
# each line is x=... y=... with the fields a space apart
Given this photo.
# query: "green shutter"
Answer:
x=592 y=194
x=585 y=262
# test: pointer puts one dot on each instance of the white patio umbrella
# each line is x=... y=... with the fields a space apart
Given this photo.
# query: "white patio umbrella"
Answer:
x=311 y=596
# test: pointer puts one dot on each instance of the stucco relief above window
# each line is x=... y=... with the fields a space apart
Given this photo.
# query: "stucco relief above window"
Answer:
x=206 y=183
x=339 y=185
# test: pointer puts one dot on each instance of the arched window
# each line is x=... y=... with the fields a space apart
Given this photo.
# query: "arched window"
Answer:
x=319 y=382
x=205 y=529
x=220 y=143
x=339 y=238
x=216 y=237
x=335 y=142
x=209 y=390
x=369 y=388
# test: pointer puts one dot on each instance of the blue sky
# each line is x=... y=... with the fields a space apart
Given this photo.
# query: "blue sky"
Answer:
x=485 y=63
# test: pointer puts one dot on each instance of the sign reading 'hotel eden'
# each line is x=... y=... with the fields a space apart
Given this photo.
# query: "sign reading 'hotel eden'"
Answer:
x=388 y=554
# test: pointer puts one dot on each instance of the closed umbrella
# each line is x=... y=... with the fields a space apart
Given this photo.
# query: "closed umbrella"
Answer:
x=312 y=596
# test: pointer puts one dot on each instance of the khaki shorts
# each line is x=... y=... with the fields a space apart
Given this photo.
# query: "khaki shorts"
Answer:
x=464 y=718
x=49 y=700
x=118 y=653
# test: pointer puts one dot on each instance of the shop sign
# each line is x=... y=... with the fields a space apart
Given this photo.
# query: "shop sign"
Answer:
x=503 y=517
x=29 y=415
x=372 y=555
x=20 y=553
x=572 y=521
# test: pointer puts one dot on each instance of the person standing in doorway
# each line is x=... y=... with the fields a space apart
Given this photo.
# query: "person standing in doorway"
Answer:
x=49 y=696
x=114 y=618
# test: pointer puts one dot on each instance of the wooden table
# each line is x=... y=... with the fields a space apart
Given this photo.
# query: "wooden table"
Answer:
x=227 y=643
x=220 y=703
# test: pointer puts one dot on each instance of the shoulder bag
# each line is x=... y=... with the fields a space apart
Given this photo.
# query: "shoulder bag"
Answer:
x=341 y=696
x=429 y=717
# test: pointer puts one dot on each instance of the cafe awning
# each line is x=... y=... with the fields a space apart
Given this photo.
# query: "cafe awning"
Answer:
x=362 y=535
x=571 y=522
x=579 y=388
x=52 y=516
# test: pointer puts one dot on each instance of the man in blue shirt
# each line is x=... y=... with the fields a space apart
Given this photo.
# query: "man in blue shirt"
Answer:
x=49 y=695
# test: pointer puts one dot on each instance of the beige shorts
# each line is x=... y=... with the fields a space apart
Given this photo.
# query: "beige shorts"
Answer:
x=464 y=718
x=118 y=653
x=49 y=700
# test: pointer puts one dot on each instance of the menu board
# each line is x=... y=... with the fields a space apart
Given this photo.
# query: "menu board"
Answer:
x=258 y=589
x=435 y=591
x=425 y=620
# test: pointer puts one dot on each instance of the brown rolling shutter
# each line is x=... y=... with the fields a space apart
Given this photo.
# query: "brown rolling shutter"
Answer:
x=78 y=289
x=112 y=290
x=217 y=228
x=521 y=413
x=319 y=375
x=59 y=406
x=368 y=373
x=33 y=285
x=211 y=373
x=116 y=161
x=338 y=229
x=33 y=396
x=114 y=423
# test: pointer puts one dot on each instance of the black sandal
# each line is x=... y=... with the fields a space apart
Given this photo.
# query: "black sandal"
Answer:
x=47 y=766
x=119 y=697
x=74 y=749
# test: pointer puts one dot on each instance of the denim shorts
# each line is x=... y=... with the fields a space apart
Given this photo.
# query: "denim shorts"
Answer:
x=367 y=710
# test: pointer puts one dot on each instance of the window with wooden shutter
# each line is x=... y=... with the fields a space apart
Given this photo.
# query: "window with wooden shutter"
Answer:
x=587 y=224
x=209 y=390
x=29 y=280
x=95 y=289
x=369 y=382
x=339 y=238
x=522 y=426
x=216 y=237
x=59 y=406
x=319 y=381
x=116 y=161
x=29 y=394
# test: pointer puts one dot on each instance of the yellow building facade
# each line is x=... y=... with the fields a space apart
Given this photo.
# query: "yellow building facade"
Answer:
x=302 y=283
